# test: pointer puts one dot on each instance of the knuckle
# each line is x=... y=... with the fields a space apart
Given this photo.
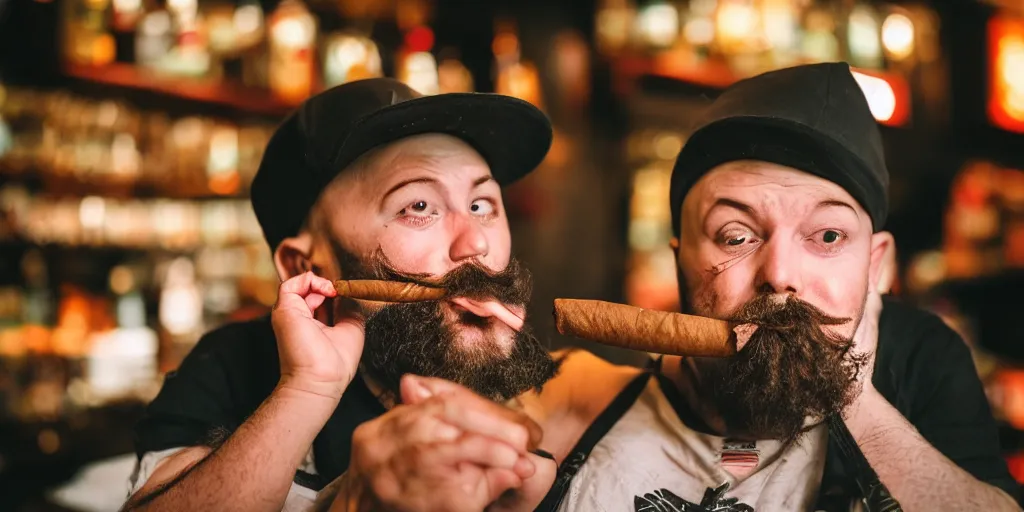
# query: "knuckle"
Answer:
x=362 y=444
x=384 y=487
x=409 y=420
x=520 y=435
x=418 y=454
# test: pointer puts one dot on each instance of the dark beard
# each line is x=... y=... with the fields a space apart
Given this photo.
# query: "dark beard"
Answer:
x=789 y=370
x=417 y=338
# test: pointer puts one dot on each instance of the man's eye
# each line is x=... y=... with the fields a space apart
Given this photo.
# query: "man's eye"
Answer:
x=481 y=207
x=830 y=236
x=736 y=240
x=415 y=208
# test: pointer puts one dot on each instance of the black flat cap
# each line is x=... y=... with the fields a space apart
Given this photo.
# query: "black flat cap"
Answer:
x=814 y=118
x=332 y=129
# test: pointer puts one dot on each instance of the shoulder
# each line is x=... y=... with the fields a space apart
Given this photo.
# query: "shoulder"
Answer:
x=919 y=358
x=222 y=380
x=908 y=335
x=238 y=351
x=585 y=385
x=242 y=354
x=249 y=339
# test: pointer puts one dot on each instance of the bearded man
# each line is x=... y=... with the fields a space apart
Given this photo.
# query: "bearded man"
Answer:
x=779 y=199
x=365 y=180
x=837 y=398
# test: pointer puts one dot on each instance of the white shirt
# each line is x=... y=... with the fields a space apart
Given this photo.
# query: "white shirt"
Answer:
x=651 y=461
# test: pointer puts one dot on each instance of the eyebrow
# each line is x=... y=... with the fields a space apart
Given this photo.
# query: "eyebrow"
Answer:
x=749 y=210
x=833 y=203
x=425 y=179
x=732 y=203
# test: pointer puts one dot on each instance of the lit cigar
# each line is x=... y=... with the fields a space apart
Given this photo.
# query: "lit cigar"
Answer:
x=643 y=329
x=387 y=291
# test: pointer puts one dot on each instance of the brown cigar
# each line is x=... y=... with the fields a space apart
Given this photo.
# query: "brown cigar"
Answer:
x=642 y=329
x=387 y=291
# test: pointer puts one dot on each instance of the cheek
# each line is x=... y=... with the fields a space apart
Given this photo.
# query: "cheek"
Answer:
x=717 y=295
x=838 y=287
x=415 y=252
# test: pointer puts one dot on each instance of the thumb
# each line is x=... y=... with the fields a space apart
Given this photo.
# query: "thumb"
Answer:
x=412 y=390
x=437 y=386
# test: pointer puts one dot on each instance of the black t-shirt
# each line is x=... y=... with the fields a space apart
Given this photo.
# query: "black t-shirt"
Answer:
x=922 y=367
x=223 y=380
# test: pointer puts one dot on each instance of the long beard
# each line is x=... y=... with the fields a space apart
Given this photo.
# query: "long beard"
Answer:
x=792 y=373
x=417 y=337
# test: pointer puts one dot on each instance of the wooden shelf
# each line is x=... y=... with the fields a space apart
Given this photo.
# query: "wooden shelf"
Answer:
x=226 y=94
x=70 y=186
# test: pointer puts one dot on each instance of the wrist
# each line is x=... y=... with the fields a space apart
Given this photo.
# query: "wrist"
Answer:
x=353 y=496
x=859 y=416
x=310 y=390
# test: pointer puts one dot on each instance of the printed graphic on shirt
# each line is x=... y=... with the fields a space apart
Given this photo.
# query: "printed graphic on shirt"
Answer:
x=740 y=457
x=714 y=501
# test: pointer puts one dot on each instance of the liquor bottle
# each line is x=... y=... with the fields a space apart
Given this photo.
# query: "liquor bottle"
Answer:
x=38 y=318
x=348 y=57
x=292 y=52
x=180 y=310
x=122 y=361
x=154 y=38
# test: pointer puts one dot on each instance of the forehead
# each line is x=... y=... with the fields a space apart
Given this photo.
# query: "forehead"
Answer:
x=443 y=158
x=435 y=153
x=763 y=184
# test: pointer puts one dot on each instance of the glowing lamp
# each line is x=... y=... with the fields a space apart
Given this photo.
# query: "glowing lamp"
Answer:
x=1006 y=73
x=888 y=96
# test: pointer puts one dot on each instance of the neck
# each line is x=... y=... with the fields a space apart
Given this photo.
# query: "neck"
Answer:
x=385 y=398
x=686 y=378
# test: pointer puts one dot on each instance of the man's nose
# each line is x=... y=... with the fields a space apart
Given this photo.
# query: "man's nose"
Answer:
x=469 y=239
x=780 y=268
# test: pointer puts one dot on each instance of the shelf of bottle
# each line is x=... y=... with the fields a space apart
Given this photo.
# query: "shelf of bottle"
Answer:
x=208 y=91
x=71 y=186
x=104 y=247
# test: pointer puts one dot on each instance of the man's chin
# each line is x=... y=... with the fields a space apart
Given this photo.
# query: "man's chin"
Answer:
x=484 y=341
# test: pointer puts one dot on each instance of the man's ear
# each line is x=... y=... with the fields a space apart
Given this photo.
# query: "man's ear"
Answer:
x=674 y=244
x=882 y=270
x=293 y=256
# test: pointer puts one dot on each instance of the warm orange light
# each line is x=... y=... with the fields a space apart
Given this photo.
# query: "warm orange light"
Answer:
x=419 y=39
x=1006 y=73
x=888 y=96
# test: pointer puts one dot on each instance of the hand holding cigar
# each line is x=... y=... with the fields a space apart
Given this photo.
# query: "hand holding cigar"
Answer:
x=645 y=330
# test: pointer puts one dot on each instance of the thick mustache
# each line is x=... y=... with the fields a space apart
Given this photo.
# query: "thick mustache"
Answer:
x=765 y=311
x=512 y=285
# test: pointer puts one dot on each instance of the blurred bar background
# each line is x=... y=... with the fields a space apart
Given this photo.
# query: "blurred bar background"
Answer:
x=131 y=129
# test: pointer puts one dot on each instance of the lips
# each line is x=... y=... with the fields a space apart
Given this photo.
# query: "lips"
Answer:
x=491 y=309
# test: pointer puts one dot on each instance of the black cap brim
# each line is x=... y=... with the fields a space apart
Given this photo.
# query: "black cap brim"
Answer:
x=512 y=135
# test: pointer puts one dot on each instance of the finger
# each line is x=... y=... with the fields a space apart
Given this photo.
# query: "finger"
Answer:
x=499 y=481
x=475 y=449
x=420 y=424
x=474 y=413
x=413 y=391
x=472 y=418
x=314 y=300
x=306 y=283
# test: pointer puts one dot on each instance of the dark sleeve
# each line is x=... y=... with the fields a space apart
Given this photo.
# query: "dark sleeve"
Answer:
x=224 y=378
x=944 y=399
